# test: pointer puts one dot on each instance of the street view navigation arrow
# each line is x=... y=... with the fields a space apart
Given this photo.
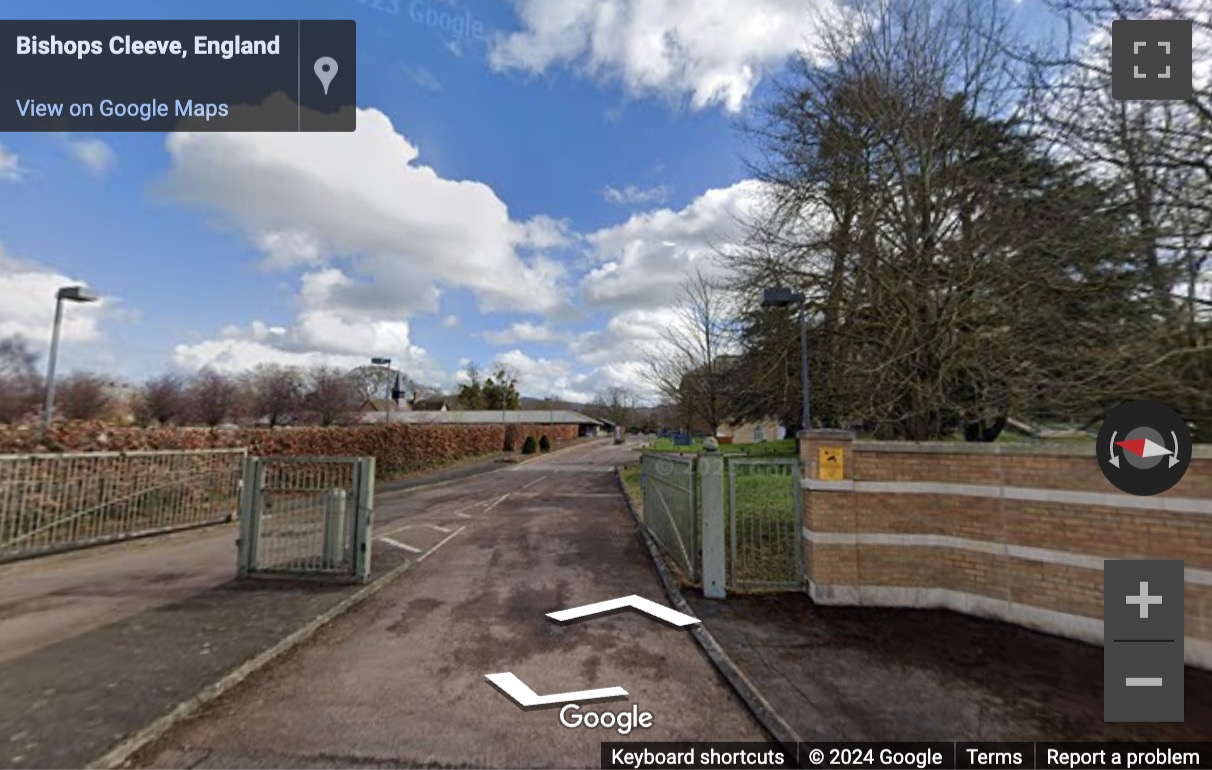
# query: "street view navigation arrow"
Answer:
x=517 y=691
x=633 y=602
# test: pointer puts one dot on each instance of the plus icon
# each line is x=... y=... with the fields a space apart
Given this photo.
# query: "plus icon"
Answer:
x=1151 y=59
x=1144 y=600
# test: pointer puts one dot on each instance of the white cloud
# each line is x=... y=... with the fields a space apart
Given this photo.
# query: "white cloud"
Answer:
x=324 y=331
x=633 y=195
x=451 y=321
x=94 y=154
x=543 y=377
x=643 y=262
x=27 y=304
x=524 y=331
x=377 y=235
x=10 y=166
x=362 y=197
x=714 y=50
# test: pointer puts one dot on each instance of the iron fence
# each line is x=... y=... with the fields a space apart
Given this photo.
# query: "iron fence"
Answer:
x=52 y=502
x=306 y=516
x=670 y=510
x=764 y=529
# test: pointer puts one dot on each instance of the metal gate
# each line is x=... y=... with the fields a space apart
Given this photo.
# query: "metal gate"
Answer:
x=671 y=507
x=307 y=517
x=765 y=517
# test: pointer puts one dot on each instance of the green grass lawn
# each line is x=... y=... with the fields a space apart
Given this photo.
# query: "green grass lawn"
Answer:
x=783 y=448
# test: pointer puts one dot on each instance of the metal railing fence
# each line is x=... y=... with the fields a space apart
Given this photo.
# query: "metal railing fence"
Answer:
x=53 y=502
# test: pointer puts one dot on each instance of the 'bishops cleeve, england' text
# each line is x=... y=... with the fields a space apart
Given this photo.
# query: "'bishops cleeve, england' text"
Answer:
x=122 y=45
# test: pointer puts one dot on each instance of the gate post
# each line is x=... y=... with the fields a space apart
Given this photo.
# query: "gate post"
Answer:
x=250 y=498
x=711 y=476
x=334 y=528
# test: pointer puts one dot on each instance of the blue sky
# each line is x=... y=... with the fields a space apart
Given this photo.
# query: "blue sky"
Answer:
x=533 y=195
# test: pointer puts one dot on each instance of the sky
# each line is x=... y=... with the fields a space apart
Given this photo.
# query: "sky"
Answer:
x=530 y=188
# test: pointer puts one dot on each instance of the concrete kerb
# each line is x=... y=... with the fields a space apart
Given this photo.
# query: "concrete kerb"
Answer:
x=121 y=754
x=762 y=710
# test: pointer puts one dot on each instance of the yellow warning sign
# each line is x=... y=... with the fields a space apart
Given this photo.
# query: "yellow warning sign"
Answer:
x=829 y=464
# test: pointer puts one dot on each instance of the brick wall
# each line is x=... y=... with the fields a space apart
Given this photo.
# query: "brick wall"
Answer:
x=1007 y=531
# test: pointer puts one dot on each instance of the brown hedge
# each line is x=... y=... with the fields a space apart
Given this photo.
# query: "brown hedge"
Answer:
x=397 y=449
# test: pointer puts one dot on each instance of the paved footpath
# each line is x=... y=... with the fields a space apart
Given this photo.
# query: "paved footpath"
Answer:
x=401 y=680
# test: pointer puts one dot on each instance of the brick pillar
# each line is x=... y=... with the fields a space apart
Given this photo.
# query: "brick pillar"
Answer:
x=831 y=567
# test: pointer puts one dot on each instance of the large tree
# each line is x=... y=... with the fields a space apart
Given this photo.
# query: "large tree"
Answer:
x=901 y=181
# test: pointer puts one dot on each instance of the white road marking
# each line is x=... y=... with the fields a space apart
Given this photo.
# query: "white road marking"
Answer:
x=637 y=602
x=532 y=483
x=463 y=515
x=524 y=696
x=498 y=501
x=435 y=526
x=398 y=544
x=444 y=541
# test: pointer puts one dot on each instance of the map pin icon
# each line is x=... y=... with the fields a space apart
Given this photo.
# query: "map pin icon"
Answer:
x=326 y=70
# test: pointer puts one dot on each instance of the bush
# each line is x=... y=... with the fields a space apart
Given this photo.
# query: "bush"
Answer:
x=529 y=447
x=544 y=444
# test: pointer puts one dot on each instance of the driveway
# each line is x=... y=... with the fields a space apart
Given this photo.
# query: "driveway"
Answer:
x=401 y=680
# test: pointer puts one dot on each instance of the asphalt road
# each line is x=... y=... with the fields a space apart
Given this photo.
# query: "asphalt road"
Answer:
x=401 y=680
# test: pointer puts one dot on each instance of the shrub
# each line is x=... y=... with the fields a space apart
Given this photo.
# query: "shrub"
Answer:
x=528 y=448
x=544 y=444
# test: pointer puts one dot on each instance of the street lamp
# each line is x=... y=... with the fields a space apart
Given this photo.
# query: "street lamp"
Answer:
x=71 y=294
x=387 y=363
x=784 y=297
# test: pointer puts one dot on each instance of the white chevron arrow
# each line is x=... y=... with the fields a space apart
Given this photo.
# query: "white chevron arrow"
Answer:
x=645 y=606
x=525 y=697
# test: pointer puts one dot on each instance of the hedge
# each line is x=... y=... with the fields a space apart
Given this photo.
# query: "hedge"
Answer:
x=397 y=449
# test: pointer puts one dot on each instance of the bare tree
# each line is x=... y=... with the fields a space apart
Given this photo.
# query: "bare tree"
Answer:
x=331 y=393
x=274 y=393
x=162 y=399
x=690 y=366
x=20 y=383
x=616 y=404
x=211 y=398
x=82 y=396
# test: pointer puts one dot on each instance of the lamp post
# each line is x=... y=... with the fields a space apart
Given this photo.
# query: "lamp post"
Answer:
x=385 y=362
x=70 y=294
x=784 y=297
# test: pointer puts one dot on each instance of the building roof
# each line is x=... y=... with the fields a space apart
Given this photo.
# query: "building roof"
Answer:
x=496 y=417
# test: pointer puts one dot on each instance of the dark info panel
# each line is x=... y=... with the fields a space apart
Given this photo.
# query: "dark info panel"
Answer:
x=177 y=76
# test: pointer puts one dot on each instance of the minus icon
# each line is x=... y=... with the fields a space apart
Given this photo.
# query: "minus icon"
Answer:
x=1143 y=681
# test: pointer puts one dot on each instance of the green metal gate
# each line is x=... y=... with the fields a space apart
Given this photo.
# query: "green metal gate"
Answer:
x=307 y=517
x=765 y=515
x=670 y=510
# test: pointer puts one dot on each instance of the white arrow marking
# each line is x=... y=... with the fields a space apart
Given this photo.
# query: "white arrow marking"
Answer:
x=1174 y=456
x=398 y=544
x=526 y=698
x=1114 y=457
x=657 y=611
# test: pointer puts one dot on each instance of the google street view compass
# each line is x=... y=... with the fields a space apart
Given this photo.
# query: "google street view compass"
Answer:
x=1144 y=447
